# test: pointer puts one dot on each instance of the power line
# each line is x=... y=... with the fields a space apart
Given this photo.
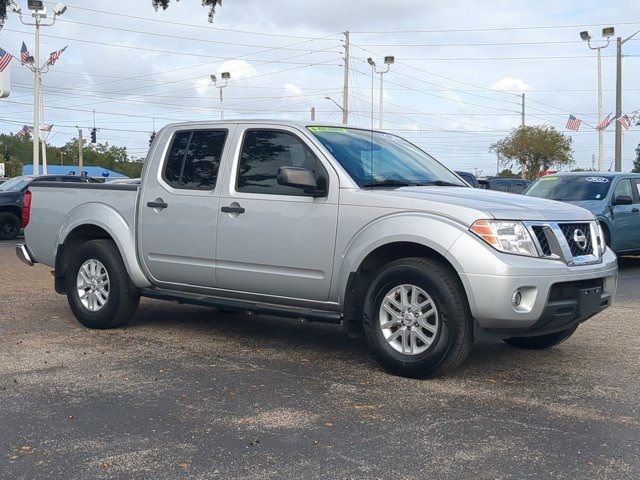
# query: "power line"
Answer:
x=495 y=29
x=190 y=25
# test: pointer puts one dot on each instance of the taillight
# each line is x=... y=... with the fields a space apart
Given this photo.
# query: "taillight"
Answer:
x=26 y=209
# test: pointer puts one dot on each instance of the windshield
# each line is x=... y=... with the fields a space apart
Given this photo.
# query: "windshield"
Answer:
x=15 y=184
x=381 y=159
x=570 y=188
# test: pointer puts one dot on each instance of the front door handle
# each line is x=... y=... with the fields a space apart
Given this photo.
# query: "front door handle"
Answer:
x=232 y=209
x=159 y=204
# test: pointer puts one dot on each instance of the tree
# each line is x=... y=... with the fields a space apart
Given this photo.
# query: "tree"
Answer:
x=636 y=162
x=536 y=148
x=114 y=158
x=164 y=4
x=508 y=173
x=212 y=4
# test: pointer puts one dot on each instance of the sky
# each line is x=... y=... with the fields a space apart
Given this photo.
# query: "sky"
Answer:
x=454 y=88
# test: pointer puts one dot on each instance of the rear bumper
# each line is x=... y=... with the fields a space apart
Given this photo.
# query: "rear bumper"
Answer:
x=22 y=252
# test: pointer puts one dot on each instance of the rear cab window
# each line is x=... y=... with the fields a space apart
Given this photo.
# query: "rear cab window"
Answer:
x=193 y=159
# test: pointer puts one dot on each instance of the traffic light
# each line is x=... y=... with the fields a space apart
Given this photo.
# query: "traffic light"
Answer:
x=151 y=137
x=7 y=156
x=93 y=135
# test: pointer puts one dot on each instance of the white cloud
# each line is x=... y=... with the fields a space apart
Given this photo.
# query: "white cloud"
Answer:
x=238 y=69
x=292 y=89
x=510 y=84
x=202 y=85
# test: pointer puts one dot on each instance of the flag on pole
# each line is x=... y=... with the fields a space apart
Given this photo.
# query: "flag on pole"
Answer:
x=573 y=123
x=24 y=131
x=605 y=122
x=24 y=53
x=54 y=56
x=625 y=122
x=46 y=128
x=5 y=58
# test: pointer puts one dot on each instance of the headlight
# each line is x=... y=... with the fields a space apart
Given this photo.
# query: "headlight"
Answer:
x=602 y=244
x=506 y=236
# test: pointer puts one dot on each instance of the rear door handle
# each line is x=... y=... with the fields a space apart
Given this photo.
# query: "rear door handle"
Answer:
x=634 y=210
x=232 y=209
x=157 y=204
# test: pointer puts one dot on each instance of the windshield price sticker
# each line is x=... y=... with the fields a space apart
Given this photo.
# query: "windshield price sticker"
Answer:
x=597 y=179
x=328 y=129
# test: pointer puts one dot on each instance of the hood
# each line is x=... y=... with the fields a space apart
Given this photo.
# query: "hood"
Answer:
x=470 y=204
x=595 y=206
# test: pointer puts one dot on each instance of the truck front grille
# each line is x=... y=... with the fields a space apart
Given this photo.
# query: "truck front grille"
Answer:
x=545 y=248
x=575 y=243
x=578 y=236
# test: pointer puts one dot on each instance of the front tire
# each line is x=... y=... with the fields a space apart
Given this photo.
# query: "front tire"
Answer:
x=543 y=341
x=416 y=318
x=99 y=290
x=9 y=226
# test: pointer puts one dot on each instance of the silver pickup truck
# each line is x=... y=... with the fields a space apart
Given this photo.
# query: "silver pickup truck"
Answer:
x=324 y=223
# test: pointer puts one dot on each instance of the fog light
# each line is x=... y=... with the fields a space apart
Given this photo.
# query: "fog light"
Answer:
x=516 y=298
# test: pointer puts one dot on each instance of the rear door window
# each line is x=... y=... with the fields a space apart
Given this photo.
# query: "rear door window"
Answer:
x=193 y=159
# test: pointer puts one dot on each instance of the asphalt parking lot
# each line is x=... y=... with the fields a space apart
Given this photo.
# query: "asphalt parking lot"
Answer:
x=188 y=392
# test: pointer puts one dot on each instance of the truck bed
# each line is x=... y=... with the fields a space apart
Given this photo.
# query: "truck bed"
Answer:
x=53 y=204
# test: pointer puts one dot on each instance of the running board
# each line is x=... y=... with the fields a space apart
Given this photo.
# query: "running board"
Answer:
x=258 y=308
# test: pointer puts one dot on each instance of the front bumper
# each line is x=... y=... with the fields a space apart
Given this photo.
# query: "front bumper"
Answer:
x=554 y=296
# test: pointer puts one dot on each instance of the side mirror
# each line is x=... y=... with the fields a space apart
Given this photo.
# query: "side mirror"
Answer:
x=298 y=177
x=623 y=200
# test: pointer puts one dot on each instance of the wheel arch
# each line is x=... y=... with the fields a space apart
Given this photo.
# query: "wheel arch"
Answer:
x=91 y=222
x=359 y=280
x=14 y=209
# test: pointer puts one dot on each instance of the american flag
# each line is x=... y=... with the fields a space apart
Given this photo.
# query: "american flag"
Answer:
x=605 y=122
x=54 y=56
x=625 y=122
x=46 y=128
x=573 y=123
x=5 y=58
x=24 y=53
x=24 y=131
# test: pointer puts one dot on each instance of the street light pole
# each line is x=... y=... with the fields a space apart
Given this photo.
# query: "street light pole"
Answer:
x=36 y=99
x=388 y=61
x=225 y=76
x=38 y=12
x=607 y=33
x=618 y=150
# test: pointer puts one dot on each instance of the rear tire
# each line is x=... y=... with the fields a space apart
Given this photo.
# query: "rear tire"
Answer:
x=9 y=226
x=543 y=341
x=439 y=335
x=99 y=290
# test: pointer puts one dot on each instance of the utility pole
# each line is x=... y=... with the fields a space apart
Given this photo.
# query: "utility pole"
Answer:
x=618 y=154
x=345 y=88
x=313 y=114
x=522 y=124
x=80 y=162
